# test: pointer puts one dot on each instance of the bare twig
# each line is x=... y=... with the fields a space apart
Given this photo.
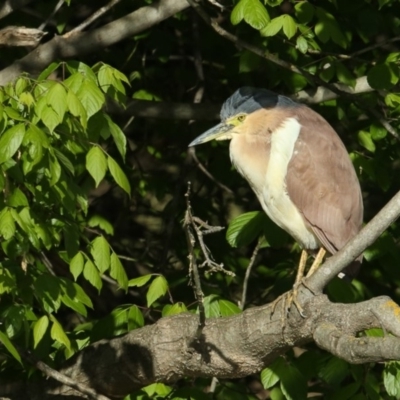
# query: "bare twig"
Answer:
x=205 y=171
x=56 y=8
x=247 y=275
x=62 y=378
x=193 y=270
x=93 y=17
x=47 y=263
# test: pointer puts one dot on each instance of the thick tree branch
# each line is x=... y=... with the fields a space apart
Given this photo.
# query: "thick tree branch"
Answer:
x=356 y=246
x=20 y=36
x=228 y=347
x=189 y=111
x=92 y=41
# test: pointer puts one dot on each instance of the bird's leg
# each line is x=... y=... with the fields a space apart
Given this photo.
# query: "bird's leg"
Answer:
x=299 y=278
x=317 y=262
x=291 y=297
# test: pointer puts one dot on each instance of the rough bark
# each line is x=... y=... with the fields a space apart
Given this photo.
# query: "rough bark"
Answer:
x=175 y=347
x=66 y=47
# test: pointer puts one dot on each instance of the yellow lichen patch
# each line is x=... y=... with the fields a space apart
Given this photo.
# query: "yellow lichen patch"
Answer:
x=394 y=307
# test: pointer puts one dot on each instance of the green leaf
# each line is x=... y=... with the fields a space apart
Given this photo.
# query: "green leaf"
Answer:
x=91 y=274
x=10 y=142
x=273 y=27
x=7 y=224
x=140 y=281
x=344 y=75
x=391 y=379
x=47 y=71
x=334 y=371
x=74 y=304
x=211 y=306
x=96 y=164
x=57 y=333
x=269 y=378
x=157 y=289
x=366 y=141
x=76 y=108
x=172 y=309
x=76 y=265
x=39 y=329
x=10 y=347
x=55 y=169
x=91 y=97
x=17 y=199
x=378 y=132
x=118 y=272
x=81 y=296
x=64 y=161
x=118 y=175
x=228 y=308
x=118 y=136
x=302 y=44
x=289 y=26
x=252 y=11
x=57 y=99
x=237 y=13
x=293 y=384
x=327 y=28
x=135 y=318
x=50 y=118
x=304 y=11
x=245 y=228
x=98 y=220
x=7 y=281
x=383 y=76
x=100 y=250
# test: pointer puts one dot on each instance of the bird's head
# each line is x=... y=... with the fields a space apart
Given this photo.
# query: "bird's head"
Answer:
x=241 y=114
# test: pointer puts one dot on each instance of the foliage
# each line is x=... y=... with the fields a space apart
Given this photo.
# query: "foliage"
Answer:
x=92 y=197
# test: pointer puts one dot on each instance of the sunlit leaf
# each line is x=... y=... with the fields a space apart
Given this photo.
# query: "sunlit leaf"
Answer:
x=117 y=271
x=10 y=142
x=10 y=347
x=39 y=329
x=135 y=318
x=118 y=175
x=157 y=289
x=140 y=281
x=96 y=164
x=100 y=250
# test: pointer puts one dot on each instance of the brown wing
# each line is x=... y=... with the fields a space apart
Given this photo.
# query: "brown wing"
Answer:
x=322 y=183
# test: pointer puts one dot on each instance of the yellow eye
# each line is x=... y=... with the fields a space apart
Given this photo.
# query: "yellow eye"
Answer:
x=241 y=118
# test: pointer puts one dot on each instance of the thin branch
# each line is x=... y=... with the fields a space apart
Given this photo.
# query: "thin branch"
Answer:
x=62 y=378
x=92 y=41
x=335 y=264
x=54 y=12
x=247 y=275
x=205 y=171
x=101 y=11
x=193 y=270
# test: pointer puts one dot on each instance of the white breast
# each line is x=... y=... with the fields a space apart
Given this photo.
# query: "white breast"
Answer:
x=274 y=197
x=269 y=182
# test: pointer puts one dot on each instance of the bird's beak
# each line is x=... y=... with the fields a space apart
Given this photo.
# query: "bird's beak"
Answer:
x=221 y=131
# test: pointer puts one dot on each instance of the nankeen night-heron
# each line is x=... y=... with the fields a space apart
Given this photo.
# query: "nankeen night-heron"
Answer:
x=298 y=168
